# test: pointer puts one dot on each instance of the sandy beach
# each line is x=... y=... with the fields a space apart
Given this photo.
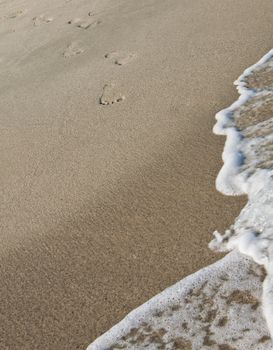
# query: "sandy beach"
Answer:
x=108 y=161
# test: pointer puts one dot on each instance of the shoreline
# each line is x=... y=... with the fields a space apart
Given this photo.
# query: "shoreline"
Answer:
x=212 y=308
x=217 y=307
x=105 y=206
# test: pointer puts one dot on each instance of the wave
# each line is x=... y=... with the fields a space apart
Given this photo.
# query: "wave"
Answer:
x=248 y=169
x=219 y=306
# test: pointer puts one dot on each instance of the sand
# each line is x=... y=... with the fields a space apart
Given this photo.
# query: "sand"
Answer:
x=228 y=304
x=108 y=161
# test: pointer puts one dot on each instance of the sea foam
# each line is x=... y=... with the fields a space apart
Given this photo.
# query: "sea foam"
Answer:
x=220 y=306
x=247 y=169
x=217 y=307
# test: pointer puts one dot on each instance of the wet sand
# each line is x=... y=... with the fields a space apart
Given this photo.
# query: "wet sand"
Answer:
x=105 y=205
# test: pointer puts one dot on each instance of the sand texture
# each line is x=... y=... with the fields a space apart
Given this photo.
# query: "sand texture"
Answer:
x=108 y=161
x=228 y=305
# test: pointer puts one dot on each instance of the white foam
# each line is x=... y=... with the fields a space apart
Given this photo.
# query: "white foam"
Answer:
x=193 y=310
x=252 y=233
x=240 y=82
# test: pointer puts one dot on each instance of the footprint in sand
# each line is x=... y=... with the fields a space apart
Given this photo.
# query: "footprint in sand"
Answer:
x=72 y=50
x=42 y=19
x=84 y=24
x=15 y=14
x=120 y=58
x=110 y=95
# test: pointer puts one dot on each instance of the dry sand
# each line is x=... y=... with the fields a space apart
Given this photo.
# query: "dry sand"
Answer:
x=108 y=161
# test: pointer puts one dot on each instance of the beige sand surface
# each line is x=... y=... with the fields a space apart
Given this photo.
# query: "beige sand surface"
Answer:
x=107 y=157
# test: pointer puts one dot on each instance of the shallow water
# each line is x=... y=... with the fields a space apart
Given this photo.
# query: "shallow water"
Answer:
x=248 y=161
